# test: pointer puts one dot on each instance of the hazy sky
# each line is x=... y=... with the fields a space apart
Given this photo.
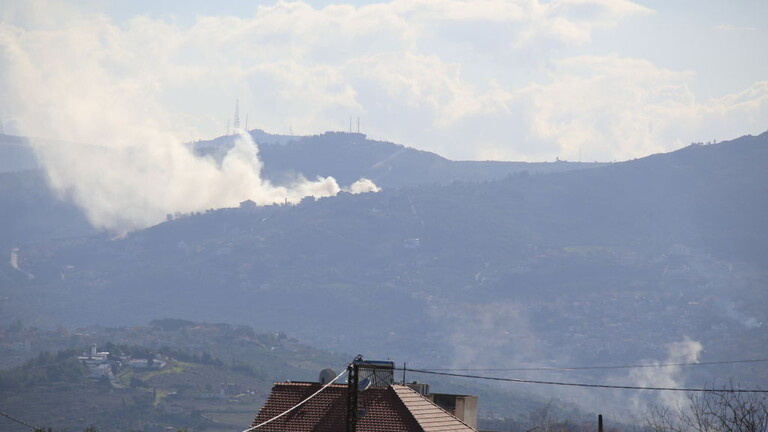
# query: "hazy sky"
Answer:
x=487 y=79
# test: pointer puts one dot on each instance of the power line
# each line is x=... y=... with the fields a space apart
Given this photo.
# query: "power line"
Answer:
x=21 y=422
x=599 y=367
x=252 y=428
x=606 y=386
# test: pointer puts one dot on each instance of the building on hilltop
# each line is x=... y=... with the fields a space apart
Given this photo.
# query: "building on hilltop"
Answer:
x=98 y=363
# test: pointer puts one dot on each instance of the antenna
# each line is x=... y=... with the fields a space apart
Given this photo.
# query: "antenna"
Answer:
x=236 y=124
x=358 y=125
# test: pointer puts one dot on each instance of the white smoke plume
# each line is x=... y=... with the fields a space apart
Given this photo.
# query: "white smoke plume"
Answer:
x=119 y=154
x=488 y=335
x=363 y=185
x=133 y=186
x=685 y=351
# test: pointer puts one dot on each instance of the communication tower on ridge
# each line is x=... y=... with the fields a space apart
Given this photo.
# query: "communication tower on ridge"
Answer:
x=236 y=123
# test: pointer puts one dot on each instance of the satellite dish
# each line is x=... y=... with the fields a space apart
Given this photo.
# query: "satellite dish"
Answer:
x=364 y=384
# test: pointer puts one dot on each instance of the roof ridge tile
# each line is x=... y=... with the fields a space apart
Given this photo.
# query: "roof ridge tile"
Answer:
x=407 y=396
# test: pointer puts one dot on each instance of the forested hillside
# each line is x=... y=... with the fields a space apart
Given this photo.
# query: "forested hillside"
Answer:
x=616 y=264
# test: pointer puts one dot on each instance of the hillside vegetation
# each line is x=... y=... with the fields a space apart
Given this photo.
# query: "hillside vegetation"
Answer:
x=615 y=264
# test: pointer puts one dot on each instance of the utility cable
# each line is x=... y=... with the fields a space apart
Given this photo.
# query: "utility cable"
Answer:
x=607 y=386
x=21 y=422
x=599 y=367
x=297 y=405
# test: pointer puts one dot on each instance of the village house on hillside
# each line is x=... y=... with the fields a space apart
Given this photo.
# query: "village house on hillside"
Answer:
x=101 y=364
x=377 y=405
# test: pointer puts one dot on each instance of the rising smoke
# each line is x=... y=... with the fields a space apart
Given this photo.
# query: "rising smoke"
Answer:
x=684 y=351
x=119 y=155
x=134 y=186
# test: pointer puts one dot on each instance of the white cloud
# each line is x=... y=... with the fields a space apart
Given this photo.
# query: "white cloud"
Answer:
x=613 y=108
x=607 y=106
x=573 y=21
x=308 y=54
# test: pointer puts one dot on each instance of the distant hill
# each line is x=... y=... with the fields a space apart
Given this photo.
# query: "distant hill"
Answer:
x=607 y=265
x=349 y=156
x=216 y=376
x=31 y=212
x=187 y=393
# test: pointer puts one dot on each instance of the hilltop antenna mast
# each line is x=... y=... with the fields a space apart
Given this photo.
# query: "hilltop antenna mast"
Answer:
x=358 y=125
x=236 y=124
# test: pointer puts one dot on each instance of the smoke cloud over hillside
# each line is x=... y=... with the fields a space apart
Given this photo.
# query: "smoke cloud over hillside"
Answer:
x=129 y=185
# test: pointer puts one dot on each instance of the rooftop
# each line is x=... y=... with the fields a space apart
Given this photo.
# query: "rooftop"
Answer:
x=396 y=408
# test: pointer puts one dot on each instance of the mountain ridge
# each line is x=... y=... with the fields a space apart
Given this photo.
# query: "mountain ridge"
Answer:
x=613 y=264
x=349 y=156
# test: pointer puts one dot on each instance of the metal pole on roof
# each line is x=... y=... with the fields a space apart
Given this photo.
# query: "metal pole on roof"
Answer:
x=352 y=382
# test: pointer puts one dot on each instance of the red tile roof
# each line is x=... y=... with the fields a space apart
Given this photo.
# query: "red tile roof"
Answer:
x=392 y=409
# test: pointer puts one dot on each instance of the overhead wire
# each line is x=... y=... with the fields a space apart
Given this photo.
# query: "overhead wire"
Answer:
x=21 y=422
x=573 y=368
x=252 y=428
x=570 y=384
x=444 y=372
